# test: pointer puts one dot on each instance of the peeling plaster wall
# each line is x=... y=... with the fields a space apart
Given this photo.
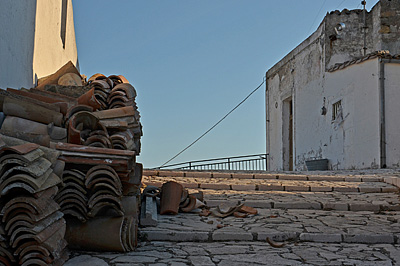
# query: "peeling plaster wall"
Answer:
x=351 y=144
x=30 y=41
x=355 y=142
x=392 y=96
x=289 y=78
x=275 y=130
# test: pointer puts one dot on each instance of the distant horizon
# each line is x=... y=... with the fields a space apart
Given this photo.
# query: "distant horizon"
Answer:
x=191 y=62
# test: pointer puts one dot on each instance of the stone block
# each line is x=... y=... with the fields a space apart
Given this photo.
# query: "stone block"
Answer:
x=166 y=173
x=259 y=204
x=292 y=177
x=217 y=202
x=395 y=207
x=216 y=186
x=174 y=236
x=270 y=188
x=243 y=187
x=369 y=238
x=189 y=185
x=297 y=188
x=352 y=179
x=321 y=238
x=198 y=174
x=200 y=260
x=335 y=206
x=389 y=180
x=242 y=176
x=396 y=182
x=265 y=176
x=298 y=205
x=153 y=183
x=278 y=236
x=148 y=215
x=390 y=189
x=85 y=260
x=147 y=172
x=231 y=235
x=321 y=189
x=371 y=179
x=221 y=175
x=345 y=189
x=397 y=239
x=325 y=178
x=363 y=207
x=370 y=189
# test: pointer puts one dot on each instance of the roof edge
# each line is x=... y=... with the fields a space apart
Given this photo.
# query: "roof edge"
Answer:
x=384 y=54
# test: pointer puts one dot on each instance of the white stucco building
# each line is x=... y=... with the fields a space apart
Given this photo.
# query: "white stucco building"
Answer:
x=336 y=97
x=37 y=37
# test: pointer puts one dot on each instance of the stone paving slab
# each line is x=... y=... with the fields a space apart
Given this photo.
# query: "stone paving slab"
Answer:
x=308 y=225
x=370 y=175
x=273 y=184
x=343 y=201
x=244 y=253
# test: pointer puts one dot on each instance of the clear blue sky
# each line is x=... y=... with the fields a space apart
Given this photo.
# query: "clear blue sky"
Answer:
x=192 y=61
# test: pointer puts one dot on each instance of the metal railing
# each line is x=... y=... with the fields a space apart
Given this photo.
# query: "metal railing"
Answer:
x=257 y=162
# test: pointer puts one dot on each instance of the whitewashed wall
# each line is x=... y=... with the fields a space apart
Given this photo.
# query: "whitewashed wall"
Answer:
x=286 y=79
x=30 y=42
x=17 y=33
x=49 y=54
x=353 y=143
x=392 y=95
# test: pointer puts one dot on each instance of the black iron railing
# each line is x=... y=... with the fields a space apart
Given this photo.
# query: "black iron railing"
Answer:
x=257 y=162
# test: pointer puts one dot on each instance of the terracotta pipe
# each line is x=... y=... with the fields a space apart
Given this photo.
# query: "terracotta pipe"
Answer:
x=170 y=197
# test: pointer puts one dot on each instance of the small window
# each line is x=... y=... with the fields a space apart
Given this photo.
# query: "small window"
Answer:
x=336 y=110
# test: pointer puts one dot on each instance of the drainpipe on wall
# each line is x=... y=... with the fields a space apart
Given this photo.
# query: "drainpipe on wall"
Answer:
x=382 y=117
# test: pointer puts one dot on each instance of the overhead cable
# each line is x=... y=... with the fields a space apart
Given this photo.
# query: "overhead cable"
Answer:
x=341 y=4
x=216 y=124
x=323 y=4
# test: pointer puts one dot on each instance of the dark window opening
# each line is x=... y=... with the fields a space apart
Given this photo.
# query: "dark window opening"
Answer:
x=336 y=110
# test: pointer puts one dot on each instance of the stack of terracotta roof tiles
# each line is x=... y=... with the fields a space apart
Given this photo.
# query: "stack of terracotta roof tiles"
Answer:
x=122 y=118
x=72 y=197
x=32 y=228
x=31 y=119
x=95 y=128
x=93 y=202
x=96 y=193
x=103 y=113
x=99 y=197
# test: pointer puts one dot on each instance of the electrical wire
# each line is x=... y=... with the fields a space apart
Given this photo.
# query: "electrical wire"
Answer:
x=323 y=4
x=341 y=3
x=216 y=124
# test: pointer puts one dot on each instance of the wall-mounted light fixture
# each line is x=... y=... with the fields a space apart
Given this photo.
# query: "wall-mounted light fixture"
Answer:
x=338 y=28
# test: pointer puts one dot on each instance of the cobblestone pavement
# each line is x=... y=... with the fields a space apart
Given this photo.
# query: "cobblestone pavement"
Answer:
x=307 y=225
x=357 y=225
x=245 y=253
